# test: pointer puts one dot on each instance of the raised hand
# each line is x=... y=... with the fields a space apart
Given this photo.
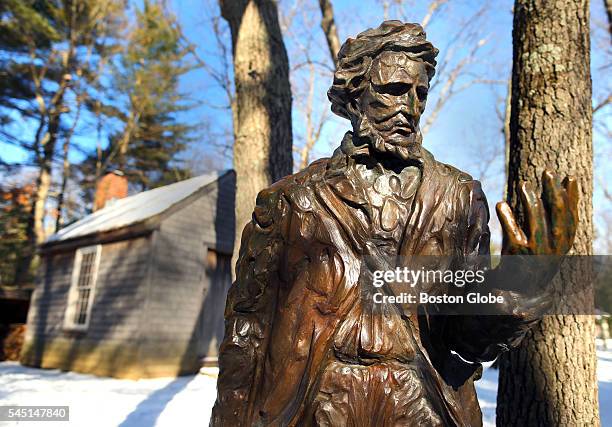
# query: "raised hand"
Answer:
x=551 y=220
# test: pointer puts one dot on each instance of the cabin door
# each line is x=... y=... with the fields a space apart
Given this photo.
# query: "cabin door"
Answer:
x=217 y=282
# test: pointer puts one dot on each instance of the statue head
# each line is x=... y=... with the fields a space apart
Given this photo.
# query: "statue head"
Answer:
x=381 y=85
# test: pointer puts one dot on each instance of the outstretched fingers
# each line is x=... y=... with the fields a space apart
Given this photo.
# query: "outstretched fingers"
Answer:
x=556 y=201
x=550 y=221
x=516 y=237
x=536 y=219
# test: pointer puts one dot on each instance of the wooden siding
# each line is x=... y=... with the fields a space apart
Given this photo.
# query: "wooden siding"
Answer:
x=179 y=288
x=111 y=343
x=152 y=300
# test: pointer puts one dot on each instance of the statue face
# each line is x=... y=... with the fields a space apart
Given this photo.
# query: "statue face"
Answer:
x=394 y=101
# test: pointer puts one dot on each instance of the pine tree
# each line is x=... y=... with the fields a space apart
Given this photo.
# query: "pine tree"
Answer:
x=49 y=48
x=26 y=28
x=147 y=148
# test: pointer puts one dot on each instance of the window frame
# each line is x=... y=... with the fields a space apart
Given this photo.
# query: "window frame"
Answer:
x=73 y=293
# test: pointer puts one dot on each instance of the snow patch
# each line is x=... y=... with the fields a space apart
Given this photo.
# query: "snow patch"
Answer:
x=183 y=401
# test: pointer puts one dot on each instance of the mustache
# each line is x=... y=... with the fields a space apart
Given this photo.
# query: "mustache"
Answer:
x=395 y=120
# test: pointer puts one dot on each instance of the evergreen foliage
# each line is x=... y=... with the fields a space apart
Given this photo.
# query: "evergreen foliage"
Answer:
x=148 y=145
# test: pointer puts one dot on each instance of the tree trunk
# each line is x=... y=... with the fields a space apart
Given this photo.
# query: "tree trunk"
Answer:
x=328 y=24
x=61 y=198
x=550 y=379
x=36 y=226
x=42 y=193
x=59 y=221
x=507 y=111
x=262 y=126
x=608 y=6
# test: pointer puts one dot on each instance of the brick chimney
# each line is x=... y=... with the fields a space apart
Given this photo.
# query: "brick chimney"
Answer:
x=112 y=186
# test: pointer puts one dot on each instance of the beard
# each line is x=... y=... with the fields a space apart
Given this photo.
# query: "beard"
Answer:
x=406 y=148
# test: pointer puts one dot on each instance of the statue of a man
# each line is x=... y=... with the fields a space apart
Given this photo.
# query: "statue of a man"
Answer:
x=304 y=343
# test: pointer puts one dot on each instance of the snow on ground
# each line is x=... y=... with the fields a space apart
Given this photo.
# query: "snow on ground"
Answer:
x=105 y=402
x=487 y=388
x=184 y=401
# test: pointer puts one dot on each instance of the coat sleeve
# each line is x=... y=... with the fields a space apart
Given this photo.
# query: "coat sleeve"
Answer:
x=290 y=292
x=461 y=337
x=487 y=330
x=248 y=311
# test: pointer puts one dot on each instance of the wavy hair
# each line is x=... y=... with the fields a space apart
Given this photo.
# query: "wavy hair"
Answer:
x=356 y=56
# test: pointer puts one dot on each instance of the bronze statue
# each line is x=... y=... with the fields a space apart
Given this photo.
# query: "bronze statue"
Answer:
x=303 y=346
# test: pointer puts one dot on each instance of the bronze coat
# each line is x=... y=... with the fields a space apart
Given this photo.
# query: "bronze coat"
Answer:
x=299 y=278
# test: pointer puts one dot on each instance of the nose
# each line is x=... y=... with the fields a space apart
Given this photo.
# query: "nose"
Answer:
x=414 y=103
x=411 y=107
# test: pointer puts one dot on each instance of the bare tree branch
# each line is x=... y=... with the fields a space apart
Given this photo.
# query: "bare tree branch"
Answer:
x=313 y=130
x=608 y=7
x=449 y=90
x=286 y=19
x=602 y=104
x=607 y=194
x=328 y=24
x=431 y=10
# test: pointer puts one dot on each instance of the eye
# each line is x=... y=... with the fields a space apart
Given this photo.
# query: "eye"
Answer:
x=377 y=104
x=356 y=82
x=422 y=93
x=395 y=89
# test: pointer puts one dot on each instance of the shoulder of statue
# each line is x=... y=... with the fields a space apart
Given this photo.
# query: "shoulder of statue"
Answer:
x=447 y=172
x=291 y=192
x=468 y=191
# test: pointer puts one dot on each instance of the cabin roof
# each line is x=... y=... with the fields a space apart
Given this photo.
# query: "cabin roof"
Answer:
x=134 y=209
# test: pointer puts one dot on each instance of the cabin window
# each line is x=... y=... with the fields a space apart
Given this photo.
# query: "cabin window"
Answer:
x=82 y=287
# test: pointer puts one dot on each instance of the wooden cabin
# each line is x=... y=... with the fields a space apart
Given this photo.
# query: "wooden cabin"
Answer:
x=137 y=289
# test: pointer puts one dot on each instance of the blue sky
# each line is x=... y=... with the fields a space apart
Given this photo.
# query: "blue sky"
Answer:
x=456 y=121
x=465 y=134
x=467 y=131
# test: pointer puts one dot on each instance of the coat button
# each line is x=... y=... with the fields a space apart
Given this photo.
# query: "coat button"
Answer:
x=390 y=215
